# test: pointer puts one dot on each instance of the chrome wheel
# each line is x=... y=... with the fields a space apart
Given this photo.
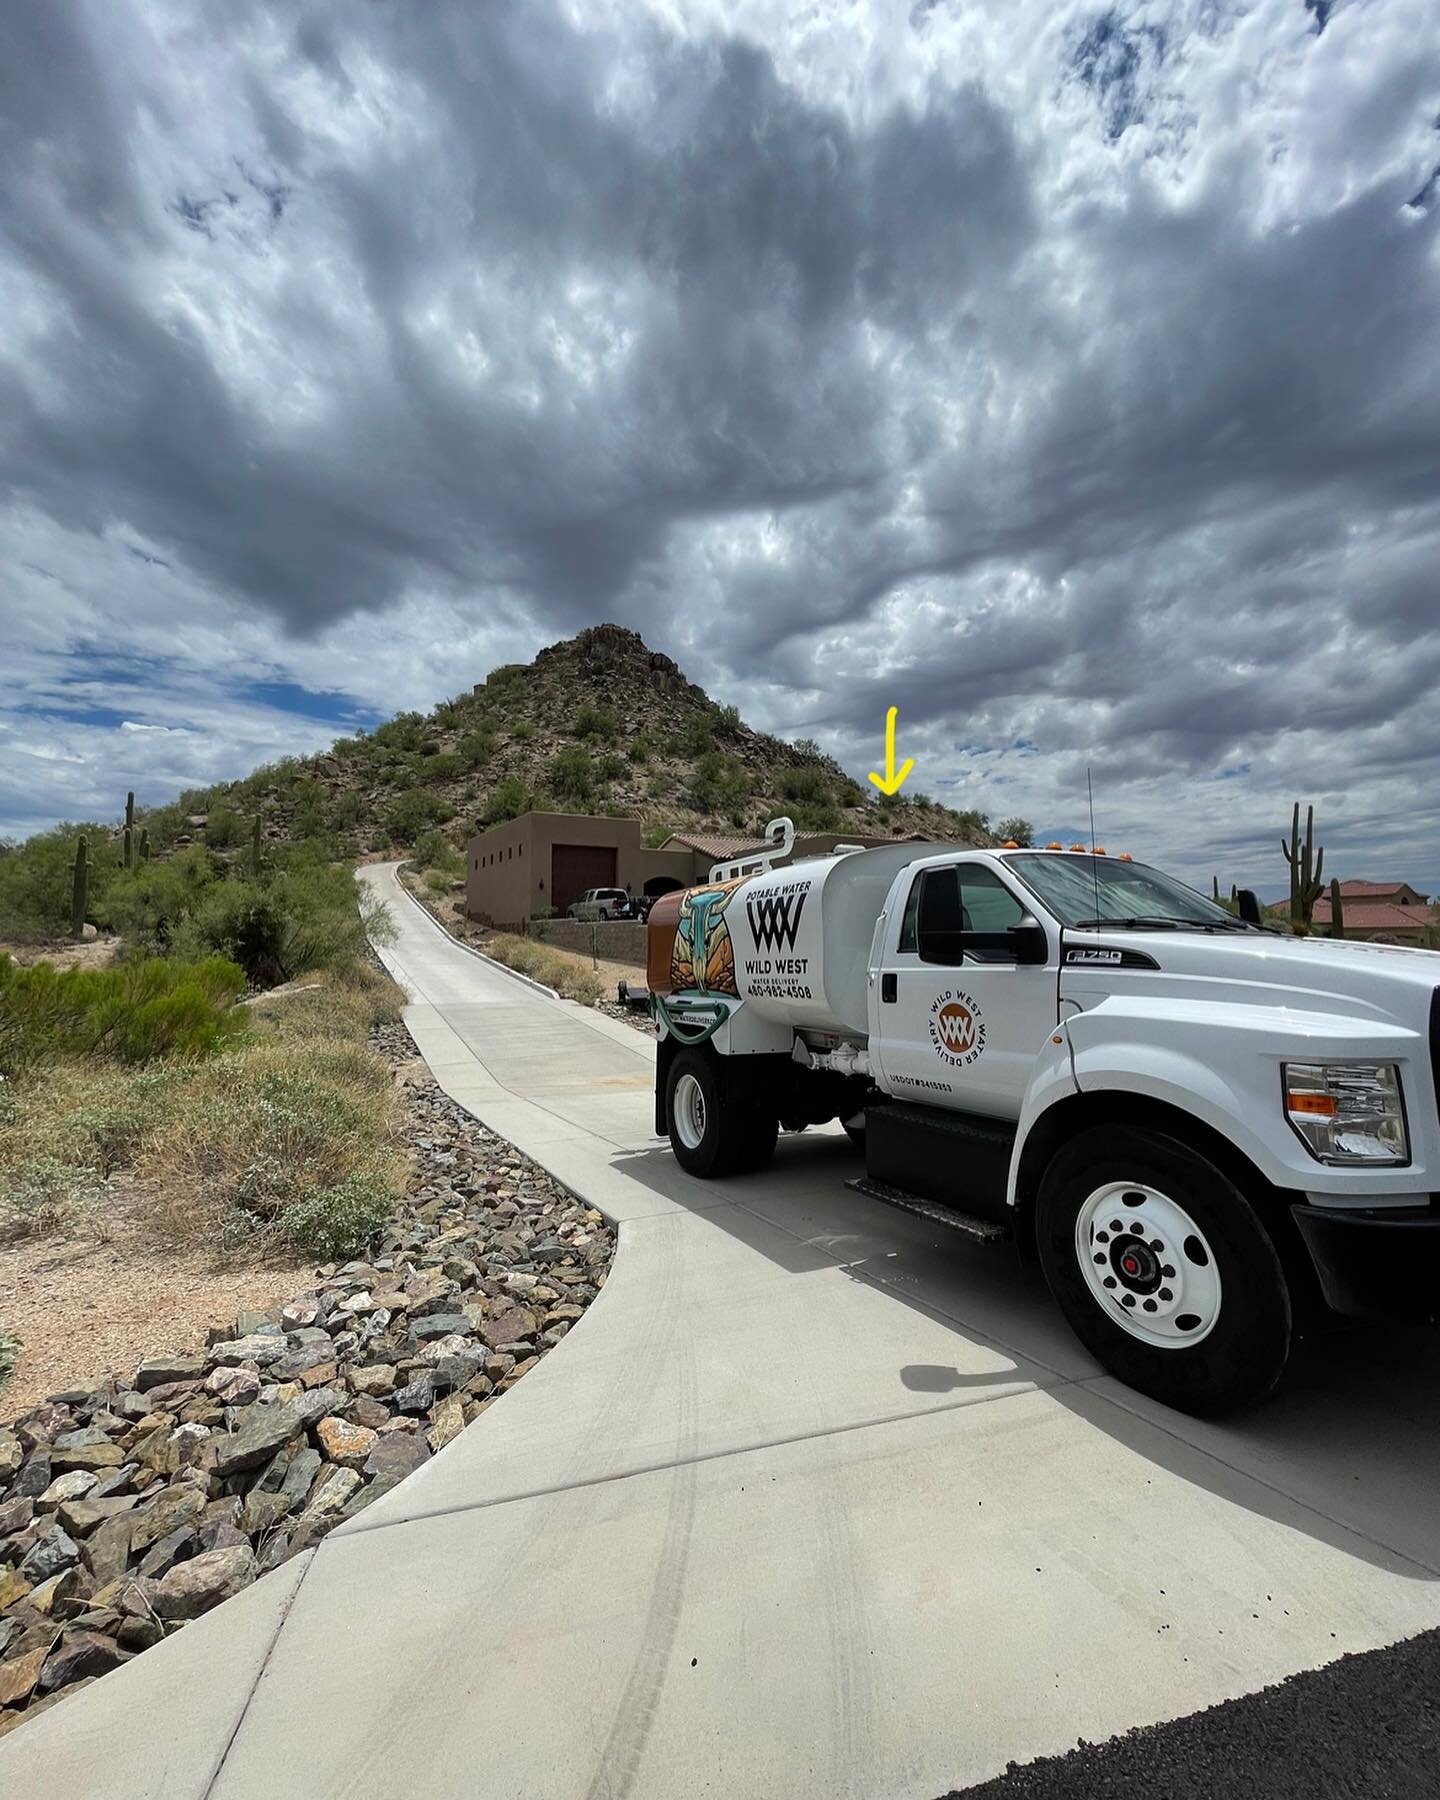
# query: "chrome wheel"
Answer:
x=688 y=1110
x=1147 y=1265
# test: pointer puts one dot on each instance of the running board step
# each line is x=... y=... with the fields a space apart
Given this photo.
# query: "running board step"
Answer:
x=984 y=1231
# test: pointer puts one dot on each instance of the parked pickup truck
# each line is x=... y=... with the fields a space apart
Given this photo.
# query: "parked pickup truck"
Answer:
x=1207 y=1132
x=600 y=903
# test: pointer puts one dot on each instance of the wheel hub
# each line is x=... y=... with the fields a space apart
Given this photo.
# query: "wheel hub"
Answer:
x=1147 y=1265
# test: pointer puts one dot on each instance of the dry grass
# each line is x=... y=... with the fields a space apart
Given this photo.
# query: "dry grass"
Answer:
x=291 y=1137
x=566 y=974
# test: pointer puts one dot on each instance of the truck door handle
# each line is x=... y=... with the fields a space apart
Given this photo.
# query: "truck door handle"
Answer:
x=887 y=987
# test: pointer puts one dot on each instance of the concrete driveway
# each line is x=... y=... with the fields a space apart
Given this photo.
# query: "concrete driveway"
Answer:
x=815 y=1500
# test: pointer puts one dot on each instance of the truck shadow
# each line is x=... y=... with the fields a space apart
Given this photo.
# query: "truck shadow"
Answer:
x=1347 y=1453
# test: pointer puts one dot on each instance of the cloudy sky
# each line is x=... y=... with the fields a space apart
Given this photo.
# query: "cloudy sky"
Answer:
x=1066 y=375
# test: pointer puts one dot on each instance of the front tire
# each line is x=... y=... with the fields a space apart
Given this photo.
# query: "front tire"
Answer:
x=1164 y=1270
x=711 y=1134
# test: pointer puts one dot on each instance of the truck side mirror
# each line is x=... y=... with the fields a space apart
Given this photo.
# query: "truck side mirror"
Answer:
x=1029 y=942
x=1247 y=906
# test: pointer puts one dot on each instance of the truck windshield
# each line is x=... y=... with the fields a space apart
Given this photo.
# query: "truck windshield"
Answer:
x=1097 y=890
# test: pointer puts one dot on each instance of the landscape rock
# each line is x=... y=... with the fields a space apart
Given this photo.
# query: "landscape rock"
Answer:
x=127 y=1509
x=157 y=1371
x=78 y=1653
x=343 y=1443
x=235 y=1385
x=73 y=1485
x=448 y=1421
x=56 y=1550
x=80 y=1517
x=377 y=1380
x=193 y=1587
x=19 y=1675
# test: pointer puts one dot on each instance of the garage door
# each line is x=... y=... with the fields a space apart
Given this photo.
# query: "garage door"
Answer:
x=575 y=867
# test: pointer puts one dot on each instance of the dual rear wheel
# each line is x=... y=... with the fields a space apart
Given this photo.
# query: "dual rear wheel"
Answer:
x=710 y=1133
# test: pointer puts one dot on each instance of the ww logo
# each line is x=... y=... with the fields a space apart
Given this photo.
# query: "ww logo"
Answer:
x=775 y=919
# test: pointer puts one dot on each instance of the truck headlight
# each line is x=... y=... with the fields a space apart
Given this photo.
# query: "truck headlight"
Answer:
x=1347 y=1113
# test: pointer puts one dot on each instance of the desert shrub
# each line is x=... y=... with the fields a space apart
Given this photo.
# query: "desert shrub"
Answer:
x=571 y=775
x=1020 y=830
x=134 y=1012
x=404 y=732
x=807 y=785
x=595 y=722
x=971 y=820
x=721 y=783
x=445 y=765
x=35 y=880
x=344 y=812
x=337 y=1220
x=476 y=747
x=696 y=736
x=815 y=816
x=508 y=800
x=410 y=813
x=566 y=974
x=9 y=1351
x=727 y=721
x=506 y=676
x=433 y=850
x=641 y=748
x=523 y=732
x=226 y=828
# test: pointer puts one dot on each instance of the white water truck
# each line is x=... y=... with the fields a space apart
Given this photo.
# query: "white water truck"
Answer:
x=1209 y=1132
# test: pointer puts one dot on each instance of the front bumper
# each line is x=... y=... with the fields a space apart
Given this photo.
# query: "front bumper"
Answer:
x=1376 y=1265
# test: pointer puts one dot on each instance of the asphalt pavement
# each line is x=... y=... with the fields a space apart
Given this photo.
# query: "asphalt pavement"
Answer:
x=817 y=1499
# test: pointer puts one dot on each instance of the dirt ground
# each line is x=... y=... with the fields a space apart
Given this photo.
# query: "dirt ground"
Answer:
x=64 y=953
x=84 y=1308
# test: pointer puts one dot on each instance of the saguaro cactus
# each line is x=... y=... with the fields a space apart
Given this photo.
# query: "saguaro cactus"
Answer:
x=255 y=846
x=144 y=843
x=79 y=886
x=1215 y=889
x=1306 y=885
x=130 y=831
x=1337 y=911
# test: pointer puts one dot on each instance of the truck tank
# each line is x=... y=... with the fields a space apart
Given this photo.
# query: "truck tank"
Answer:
x=792 y=942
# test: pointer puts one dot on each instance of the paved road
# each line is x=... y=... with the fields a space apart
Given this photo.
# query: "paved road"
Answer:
x=814 y=1501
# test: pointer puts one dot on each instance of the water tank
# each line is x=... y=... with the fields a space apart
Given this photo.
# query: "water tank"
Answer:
x=793 y=942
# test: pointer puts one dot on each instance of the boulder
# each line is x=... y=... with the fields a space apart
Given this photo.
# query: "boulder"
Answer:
x=74 y=1484
x=159 y=1371
x=235 y=1384
x=344 y=1443
x=267 y=1429
x=55 y=1551
x=19 y=1676
x=193 y=1587
x=78 y=1653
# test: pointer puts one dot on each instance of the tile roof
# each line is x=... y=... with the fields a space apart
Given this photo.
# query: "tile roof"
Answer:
x=718 y=847
x=1373 y=890
x=1377 y=915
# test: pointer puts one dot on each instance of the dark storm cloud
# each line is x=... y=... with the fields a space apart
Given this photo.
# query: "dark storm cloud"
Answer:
x=1066 y=376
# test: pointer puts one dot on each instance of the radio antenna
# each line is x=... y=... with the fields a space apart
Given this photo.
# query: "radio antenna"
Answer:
x=1094 y=860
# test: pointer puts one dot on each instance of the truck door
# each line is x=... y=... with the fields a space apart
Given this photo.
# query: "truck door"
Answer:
x=965 y=992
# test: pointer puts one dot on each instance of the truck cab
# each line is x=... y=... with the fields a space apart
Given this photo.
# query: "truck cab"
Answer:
x=1207 y=1131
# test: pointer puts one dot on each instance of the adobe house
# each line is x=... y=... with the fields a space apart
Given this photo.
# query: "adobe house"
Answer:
x=1377 y=912
x=547 y=860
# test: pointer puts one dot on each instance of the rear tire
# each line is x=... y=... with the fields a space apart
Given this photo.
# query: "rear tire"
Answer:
x=710 y=1134
x=1193 y=1308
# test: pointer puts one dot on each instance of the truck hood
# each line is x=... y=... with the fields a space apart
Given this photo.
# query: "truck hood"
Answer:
x=1318 y=975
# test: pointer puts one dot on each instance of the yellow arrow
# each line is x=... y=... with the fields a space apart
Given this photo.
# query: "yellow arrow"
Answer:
x=891 y=781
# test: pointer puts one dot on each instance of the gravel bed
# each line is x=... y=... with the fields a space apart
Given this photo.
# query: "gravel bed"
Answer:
x=132 y=1507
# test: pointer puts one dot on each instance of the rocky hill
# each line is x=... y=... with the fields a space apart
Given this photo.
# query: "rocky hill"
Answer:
x=599 y=723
